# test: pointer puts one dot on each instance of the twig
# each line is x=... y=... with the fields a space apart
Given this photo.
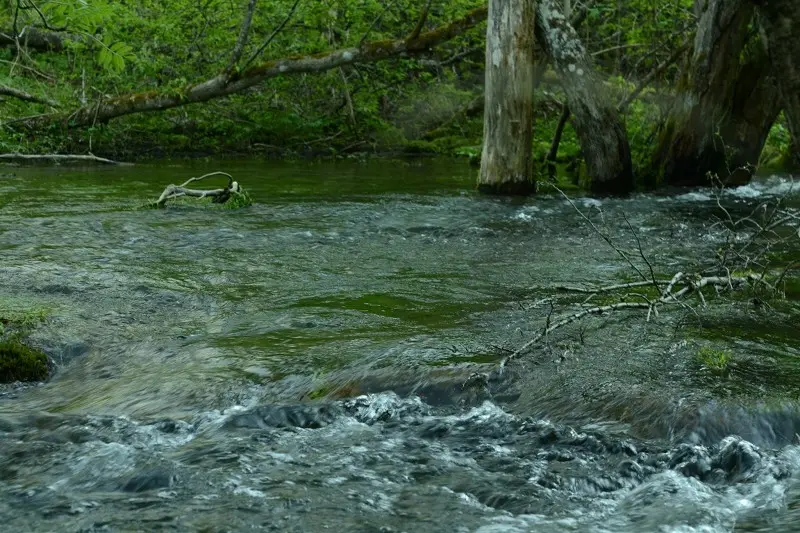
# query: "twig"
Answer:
x=623 y=105
x=552 y=154
x=209 y=175
x=572 y=318
x=421 y=22
x=272 y=35
x=377 y=19
x=605 y=237
x=667 y=297
x=641 y=251
x=241 y=41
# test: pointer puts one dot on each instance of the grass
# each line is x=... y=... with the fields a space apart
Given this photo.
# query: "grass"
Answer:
x=714 y=359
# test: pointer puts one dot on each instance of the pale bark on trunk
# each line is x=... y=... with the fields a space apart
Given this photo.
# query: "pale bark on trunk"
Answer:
x=601 y=132
x=224 y=84
x=692 y=146
x=507 y=157
x=779 y=21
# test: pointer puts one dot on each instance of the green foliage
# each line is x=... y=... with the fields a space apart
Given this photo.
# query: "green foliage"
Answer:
x=714 y=359
x=19 y=362
x=20 y=317
x=777 y=149
x=239 y=200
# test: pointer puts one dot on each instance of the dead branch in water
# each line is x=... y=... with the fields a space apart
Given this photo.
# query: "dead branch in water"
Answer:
x=749 y=241
x=218 y=196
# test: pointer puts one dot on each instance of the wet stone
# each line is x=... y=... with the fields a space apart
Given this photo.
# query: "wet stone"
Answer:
x=631 y=469
x=148 y=480
x=691 y=460
x=737 y=458
x=373 y=408
x=284 y=416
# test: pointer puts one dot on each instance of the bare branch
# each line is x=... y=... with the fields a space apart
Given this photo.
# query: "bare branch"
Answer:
x=623 y=105
x=274 y=33
x=608 y=288
x=241 y=41
x=217 y=195
x=221 y=85
x=386 y=8
x=421 y=22
x=602 y=235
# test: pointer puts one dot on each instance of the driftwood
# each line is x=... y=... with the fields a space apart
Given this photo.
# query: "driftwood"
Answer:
x=218 y=196
x=68 y=158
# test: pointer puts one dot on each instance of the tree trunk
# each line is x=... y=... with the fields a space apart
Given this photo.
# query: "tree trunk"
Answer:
x=692 y=145
x=507 y=157
x=780 y=32
x=602 y=135
x=754 y=108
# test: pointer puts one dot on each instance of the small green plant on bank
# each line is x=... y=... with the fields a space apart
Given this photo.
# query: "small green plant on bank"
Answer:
x=714 y=359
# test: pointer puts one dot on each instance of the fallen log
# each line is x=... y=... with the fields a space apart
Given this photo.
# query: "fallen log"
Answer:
x=68 y=158
x=224 y=84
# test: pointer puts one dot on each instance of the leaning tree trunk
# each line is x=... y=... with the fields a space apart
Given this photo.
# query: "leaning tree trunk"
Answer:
x=602 y=135
x=691 y=146
x=755 y=106
x=506 y=160
x=780 y=32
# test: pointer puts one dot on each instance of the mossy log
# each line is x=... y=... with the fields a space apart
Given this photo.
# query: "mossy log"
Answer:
x=226 y=83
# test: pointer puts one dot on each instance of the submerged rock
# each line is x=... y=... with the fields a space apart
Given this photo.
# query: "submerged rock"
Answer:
x=284 y=416
x=153 y=479
x=737 y=458
x=19 y=362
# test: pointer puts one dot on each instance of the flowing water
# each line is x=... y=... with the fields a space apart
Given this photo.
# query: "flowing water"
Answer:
x=300 y=365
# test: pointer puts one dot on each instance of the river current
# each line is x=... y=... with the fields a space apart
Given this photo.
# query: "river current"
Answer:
x=300 y=365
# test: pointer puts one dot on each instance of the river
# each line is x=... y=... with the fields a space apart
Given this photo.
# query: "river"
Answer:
x=298 y=365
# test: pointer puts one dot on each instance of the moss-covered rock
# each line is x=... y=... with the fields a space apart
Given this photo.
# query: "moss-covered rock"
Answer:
x=19 y=362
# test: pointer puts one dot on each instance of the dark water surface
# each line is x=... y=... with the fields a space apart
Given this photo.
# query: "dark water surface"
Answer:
x=298 y=365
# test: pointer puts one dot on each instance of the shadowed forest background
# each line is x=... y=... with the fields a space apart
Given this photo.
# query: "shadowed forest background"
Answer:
x=696 y=86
